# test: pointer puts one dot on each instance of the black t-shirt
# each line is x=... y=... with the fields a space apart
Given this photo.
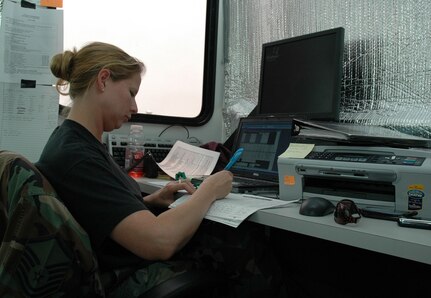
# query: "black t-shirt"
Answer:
x=97 y=192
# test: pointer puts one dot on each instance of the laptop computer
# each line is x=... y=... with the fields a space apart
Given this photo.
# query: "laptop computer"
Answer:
x=368 y=134
x=263 y=140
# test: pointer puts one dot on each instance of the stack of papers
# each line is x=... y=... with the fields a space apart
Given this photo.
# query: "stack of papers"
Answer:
x=235 y=208
x=195 y=161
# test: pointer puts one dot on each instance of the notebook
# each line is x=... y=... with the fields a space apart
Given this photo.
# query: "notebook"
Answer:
x=263 y=140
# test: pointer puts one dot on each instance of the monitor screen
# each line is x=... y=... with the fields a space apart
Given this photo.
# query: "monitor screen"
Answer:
x=263 y=140
x=301 y=76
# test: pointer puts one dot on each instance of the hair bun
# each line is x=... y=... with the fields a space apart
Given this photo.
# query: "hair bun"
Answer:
x=62 y=65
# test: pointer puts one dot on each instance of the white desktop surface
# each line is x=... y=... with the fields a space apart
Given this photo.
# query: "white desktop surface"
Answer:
x=372 y=234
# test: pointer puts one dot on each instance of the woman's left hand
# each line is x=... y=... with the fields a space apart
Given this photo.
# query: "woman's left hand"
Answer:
x=166 y=196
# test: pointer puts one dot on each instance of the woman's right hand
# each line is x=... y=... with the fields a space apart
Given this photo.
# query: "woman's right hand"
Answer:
x=219 y=184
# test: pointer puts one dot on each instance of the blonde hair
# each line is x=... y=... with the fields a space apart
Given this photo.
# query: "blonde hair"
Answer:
x=78 y=70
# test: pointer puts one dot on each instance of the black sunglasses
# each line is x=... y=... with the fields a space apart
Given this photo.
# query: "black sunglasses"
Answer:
x=346 y=212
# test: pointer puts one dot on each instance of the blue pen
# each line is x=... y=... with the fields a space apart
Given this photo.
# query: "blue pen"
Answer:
x=234 y=158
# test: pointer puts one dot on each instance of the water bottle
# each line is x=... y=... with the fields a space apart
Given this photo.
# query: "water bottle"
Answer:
x=135 y=151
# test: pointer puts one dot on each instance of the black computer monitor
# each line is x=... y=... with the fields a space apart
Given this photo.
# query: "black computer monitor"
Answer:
x=301 y=76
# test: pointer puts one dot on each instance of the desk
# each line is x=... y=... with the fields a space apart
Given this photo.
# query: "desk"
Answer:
x=371 y=234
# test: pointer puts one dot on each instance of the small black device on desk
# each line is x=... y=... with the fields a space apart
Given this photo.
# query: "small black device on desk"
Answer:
x=384 y=213
x=316 y=206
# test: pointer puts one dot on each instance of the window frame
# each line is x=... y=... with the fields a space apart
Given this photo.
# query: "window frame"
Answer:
x=208 y=82
x=209 y=77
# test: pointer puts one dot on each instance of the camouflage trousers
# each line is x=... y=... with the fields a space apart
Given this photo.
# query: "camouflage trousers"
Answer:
x=242 y=254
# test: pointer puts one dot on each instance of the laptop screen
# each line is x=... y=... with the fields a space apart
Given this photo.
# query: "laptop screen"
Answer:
x=263 y=140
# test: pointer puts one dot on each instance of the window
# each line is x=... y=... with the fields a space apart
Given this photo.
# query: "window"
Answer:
x=175 y=39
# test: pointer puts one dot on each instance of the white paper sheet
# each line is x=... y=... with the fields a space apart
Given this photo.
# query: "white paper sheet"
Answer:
x=27 y=118
x=28 y=40
x=191 y=160
x=235 y=208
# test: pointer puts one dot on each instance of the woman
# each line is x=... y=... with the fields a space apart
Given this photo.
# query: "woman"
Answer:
x=103 y=81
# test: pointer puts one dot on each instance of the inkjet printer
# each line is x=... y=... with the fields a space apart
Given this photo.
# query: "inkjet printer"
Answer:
x=393 y=178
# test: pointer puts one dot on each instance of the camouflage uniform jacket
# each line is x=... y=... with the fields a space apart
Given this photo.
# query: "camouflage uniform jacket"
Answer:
x=44 y=252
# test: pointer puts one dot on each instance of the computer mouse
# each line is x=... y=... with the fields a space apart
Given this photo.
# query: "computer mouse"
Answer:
x=316 y=206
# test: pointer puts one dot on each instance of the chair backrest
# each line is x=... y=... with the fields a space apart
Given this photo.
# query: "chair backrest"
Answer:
x=44 y=252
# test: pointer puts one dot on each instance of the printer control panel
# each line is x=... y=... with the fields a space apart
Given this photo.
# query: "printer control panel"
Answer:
x=389 y=159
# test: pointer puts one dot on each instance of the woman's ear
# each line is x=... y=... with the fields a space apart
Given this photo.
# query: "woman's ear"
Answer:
x=103 y=76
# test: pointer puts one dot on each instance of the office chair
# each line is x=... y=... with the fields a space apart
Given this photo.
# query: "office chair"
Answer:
x=44 y=252
x=190 y=284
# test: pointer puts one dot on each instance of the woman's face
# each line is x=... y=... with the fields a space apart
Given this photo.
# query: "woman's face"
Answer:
x=119 y=101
